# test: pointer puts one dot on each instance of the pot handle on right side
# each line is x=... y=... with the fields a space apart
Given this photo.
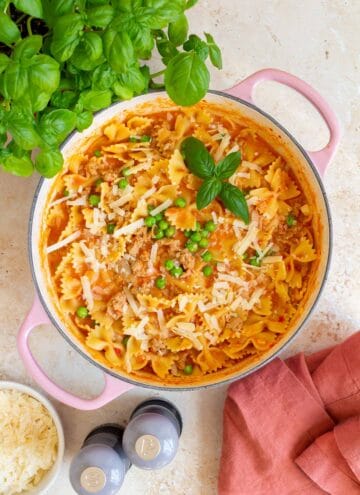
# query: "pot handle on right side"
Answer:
x=245 y=89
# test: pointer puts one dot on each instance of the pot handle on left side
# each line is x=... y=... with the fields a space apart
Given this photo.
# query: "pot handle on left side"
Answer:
x=113 y=387
x=245 y=89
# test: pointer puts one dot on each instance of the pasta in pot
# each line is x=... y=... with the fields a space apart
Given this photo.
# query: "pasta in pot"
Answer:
x=130 y=286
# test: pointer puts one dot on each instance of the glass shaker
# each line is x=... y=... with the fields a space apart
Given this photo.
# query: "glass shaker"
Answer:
x=151 y=438
x=100 y=466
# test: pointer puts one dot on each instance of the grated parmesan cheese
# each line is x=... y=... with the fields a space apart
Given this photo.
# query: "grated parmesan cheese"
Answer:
x=62 y=200
x=54 y=247
x=85 y=282
x=148 y=193
x=78 y=202
x=132 y=303
x=187 y=330
x=90 y=257
x=161 y=207
x=130 y=228
x=152 y=258
x=28 y=442
x=241 y=246
x=272 y=259
x=162 y=323
x=252 y=166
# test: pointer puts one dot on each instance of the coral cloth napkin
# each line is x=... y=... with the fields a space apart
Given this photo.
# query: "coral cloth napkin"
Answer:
x=293 y=427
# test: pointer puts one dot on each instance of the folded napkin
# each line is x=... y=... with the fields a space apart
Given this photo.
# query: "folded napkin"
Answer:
x=293 y=427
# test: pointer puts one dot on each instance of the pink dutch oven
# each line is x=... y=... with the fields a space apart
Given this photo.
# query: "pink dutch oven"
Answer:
x=313 y=166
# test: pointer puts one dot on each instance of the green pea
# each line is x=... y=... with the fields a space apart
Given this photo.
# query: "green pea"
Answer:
x=125 y=340
x=110 y=228
x=195 y=237
x=98 y=182
x=97 y=153
x=245 y=256
x=126 y=172
x=82 y=312
x=66 y=192
x=204 y=233
x=160 y=283
x=145 y=138
x=149 y=221
x=158 y=217
x=198 y=226
x=180 y=202
x=192 y=246
x=170 y=231
x=207 y=270
x=203 y=243
x=188 y=369
x=210 y=226
x=169 y=264
x=159 y=234
x=207 y=256
x=150 y=208
x=290 y=220
x=122 y=184
x=133 y=139
x=94 y=199
x=187 y=233
x=254 y=261
x=163 y=224
x=177 y=271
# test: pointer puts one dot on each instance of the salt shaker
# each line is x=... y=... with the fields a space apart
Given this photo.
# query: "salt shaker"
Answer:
x=100 y=466
x=151 y=438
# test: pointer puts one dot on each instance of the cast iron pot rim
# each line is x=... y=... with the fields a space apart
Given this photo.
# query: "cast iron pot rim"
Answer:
x=240 y=374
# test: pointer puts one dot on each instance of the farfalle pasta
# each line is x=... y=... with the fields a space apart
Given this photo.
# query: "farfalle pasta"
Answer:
x=150 y=285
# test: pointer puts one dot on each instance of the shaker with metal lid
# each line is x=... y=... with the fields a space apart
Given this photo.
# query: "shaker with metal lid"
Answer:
x=151 y=438
x=100 y=466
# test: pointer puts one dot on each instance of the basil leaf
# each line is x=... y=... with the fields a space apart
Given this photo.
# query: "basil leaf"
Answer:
x=95 y=100
x=48 y=163
x=234 y=200
x=55 y=126
x=227 y=167
x=53 y=9
x=133 y=78
x=31 y=7
x=27 y=47
x=118 y=50
x=214 y=51
x=166 y=49
x=197 y=158
x=9 y=32
x=15 y=81
x=186 y=79
x=83 y=80
x=22 y=128
x=178 y=30
x=136 y=25
x=63 y=99
x=66 y=36
x=190 y=3
x=103 y=77
x=208 y=191
x=38 y=99
x=164 y=11
x=44 y=73
x=83 y=120
x=123 y=92
x=196 y=44
x=22 y=167
x=100 y=16
x=88 y=53
x=4 y=62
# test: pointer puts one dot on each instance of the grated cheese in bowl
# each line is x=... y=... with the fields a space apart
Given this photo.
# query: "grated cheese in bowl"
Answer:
x=31 y=441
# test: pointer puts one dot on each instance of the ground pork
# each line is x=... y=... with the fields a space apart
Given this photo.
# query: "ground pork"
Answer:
x=116 y=305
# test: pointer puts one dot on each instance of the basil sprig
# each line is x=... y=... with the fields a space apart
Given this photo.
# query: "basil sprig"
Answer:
x=201 y=163
x=63 y=60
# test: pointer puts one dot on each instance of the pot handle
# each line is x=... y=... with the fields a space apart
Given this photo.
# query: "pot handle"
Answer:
x=113 y=387
x=245 y=89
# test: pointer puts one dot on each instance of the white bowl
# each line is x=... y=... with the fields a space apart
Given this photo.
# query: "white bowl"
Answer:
x=51 y=475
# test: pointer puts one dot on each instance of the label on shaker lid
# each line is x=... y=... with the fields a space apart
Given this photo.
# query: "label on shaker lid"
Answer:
x=147 y=447
x=93 y=479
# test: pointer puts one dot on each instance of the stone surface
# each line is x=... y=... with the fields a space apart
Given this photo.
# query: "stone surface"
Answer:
x=319 y=42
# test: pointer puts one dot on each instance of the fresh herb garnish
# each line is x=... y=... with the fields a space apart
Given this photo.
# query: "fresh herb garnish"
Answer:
x=63 y=60
x=201 y=163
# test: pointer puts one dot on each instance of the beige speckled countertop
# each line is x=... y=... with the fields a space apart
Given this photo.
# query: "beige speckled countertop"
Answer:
x=318 y=40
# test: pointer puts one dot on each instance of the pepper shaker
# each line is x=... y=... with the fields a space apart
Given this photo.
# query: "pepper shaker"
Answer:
x=151 y=438
x=100 y=466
